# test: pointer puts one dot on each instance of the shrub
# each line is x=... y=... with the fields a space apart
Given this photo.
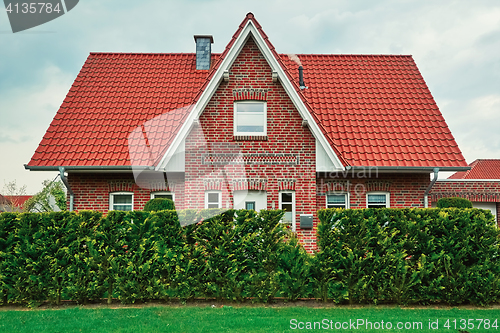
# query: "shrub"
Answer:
x=158 y=204
x=454 y=202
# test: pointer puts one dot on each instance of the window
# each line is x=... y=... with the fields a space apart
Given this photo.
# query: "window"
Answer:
x=337 y=200
x=250 y=205
x=121 y=201
x=250 y=118
x=377 y=200
x=287 y=203
x=162 y=195
x=213 y=199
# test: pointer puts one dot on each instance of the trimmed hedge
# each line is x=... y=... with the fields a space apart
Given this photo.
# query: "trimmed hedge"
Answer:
x=408 y=256
x=367 y=256
x=454 y=202
x=158 y=204
x=140 y=256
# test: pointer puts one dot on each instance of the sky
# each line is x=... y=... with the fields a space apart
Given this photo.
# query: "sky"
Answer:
x=455 y=44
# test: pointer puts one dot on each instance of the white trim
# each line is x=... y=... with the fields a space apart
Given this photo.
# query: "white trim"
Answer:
x=294 y=222
x=219 y=203
x=235 y=117
x=199 y=107
x=111 y=199
x=387 y=198
x=153 y=194
x=347 y=198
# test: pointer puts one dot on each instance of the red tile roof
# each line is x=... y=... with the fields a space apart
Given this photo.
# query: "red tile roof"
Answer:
x=480 y=169
x=375 y=110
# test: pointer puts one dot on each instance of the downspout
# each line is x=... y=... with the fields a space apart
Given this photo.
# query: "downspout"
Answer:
x=70 y=191
x=426 y=195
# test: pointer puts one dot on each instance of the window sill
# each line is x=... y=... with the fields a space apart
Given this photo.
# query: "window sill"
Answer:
x=250 y=137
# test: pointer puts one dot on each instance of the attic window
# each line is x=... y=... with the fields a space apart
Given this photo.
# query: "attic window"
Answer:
x=250 y=118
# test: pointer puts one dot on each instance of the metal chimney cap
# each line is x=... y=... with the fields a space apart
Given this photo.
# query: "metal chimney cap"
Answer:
x=205 y=37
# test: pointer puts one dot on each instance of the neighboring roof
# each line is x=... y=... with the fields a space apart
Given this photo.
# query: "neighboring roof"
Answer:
x=18 y=200
x=374 y=110
x=480 y=169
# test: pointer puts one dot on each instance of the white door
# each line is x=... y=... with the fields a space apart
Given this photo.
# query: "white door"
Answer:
x=255 y=200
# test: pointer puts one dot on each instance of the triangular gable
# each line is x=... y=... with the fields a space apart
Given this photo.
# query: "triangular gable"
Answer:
x=248 y=28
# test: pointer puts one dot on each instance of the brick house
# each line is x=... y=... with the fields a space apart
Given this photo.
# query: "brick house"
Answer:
x=248 y=128
x=480 y=184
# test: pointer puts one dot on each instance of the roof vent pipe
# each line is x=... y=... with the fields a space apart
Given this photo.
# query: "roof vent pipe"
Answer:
x=203 y=51
x=301 y=78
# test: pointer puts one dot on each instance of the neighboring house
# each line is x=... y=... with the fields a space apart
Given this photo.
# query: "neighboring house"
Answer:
x=248 y=128
x=15 y=202
x=480 y=184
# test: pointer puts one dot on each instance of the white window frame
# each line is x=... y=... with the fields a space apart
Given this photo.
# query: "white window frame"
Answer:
x=154 y=194
x=219 y=203
x=387 y=198
x=235 y=119
x=293 y=207
x=112 y=196
x=345 y=194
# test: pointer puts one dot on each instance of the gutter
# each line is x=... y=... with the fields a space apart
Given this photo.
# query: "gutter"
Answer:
x=70 y=191
x=405 y=168
x=426 y=195
x=88 y=168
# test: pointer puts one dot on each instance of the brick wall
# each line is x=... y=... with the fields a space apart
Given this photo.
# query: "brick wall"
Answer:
x=406 y=190
x=92 y=190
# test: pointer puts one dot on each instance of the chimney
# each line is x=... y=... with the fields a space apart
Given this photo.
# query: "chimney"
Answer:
x=203 y=51
x=301 y=78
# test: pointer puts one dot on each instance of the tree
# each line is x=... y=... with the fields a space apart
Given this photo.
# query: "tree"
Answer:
x=13 y=195
x=52 y=197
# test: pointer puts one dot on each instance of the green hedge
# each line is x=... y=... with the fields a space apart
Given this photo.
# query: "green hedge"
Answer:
x=367 y=256
x=139 y=256
x=408 y=256
x=454 y=202
x=158 y=204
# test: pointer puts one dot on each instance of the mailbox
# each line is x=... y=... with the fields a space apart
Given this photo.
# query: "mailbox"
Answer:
x=306 y=221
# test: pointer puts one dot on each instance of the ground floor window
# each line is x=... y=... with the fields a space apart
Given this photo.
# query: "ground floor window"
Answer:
x=162 y=195
x=213 y=199
x=337 y=200
x=287 y=203
x=377 y=200
x=121 y=201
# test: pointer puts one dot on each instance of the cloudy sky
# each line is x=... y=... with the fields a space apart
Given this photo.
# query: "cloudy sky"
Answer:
x=456 y=45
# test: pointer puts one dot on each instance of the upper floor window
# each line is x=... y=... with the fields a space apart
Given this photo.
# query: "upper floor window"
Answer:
x=121 y=201
x=377 y=200
x=250 y=118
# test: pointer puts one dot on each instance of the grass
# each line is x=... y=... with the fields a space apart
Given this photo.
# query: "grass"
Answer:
x=245 y=319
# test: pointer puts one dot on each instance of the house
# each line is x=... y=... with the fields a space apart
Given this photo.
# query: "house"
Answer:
x=248 y=128
x=11 y=203
x=480 y=184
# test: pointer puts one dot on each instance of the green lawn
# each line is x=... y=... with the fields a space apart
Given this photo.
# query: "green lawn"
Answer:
x=249 y=319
